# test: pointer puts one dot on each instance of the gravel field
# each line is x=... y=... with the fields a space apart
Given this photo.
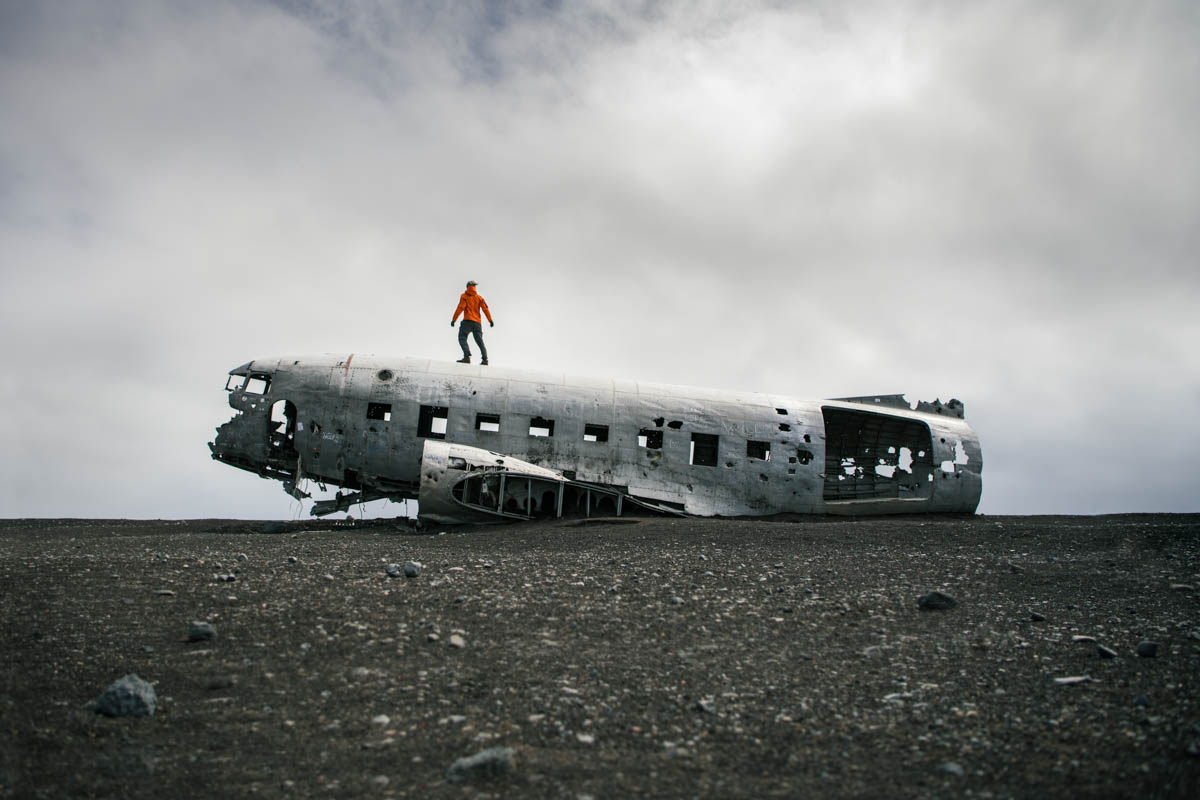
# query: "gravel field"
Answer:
x=605 y=658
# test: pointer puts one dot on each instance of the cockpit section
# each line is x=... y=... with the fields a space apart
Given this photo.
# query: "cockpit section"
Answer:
x=247 y=382
x=261 y=437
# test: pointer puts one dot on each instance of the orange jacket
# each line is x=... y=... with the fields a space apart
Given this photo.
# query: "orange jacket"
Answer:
x=469 y=304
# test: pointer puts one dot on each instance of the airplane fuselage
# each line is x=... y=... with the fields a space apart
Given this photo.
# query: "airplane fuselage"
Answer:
x=362 y=422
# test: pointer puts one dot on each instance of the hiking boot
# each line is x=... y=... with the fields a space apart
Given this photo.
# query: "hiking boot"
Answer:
x=483 y=363
x=464 y=360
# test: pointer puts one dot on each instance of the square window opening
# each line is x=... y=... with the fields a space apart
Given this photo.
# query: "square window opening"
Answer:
x=650 y=438
x=488 y=423
x=379 y=411
x=258 y=384
x=759 y=450
x=595 y=433
x=432 y=422
x=704 y=450
x=540 y=426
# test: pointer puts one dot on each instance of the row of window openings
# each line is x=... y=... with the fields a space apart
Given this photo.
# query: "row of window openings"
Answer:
x=703 y=451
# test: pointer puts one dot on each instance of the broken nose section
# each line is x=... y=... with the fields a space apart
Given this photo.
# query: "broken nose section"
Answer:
x=240 y=443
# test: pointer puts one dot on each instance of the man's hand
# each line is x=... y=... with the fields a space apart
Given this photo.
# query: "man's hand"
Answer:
x=491 y=323
x=451 y=323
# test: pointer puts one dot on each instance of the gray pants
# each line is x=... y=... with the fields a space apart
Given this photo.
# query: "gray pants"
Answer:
x=475 y=329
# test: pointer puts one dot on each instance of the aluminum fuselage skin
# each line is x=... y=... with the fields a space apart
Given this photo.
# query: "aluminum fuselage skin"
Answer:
x=360 y=421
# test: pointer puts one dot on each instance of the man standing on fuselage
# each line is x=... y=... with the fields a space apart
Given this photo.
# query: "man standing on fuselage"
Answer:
x=469 y=305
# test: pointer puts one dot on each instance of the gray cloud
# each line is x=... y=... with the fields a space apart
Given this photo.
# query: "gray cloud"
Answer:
x=997 y=202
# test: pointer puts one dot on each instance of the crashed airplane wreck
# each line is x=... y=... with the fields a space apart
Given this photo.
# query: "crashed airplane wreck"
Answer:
x=476 y=444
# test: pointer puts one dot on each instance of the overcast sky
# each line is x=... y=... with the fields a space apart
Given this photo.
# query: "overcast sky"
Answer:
x=998 y=202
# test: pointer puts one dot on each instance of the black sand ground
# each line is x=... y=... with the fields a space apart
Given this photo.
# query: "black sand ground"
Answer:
x=666 y=658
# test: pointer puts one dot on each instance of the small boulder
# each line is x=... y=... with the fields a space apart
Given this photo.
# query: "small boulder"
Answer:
x=201 y=632
x=129 y=696
x=1148 y=649
x=412 y=569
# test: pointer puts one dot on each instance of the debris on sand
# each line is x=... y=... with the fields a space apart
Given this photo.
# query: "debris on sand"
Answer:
x=1073 y=680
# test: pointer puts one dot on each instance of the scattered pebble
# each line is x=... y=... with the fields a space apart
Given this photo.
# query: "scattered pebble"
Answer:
x=491 y=763
x=1148 y=649
x=201 y=632
x=129 y=696
x=1106 y=652
x=953 y=769
x=936 y=601
x=412 y=569
x=1036 y=617
x=456 y=641
x=380 y=720
x=393 y=570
